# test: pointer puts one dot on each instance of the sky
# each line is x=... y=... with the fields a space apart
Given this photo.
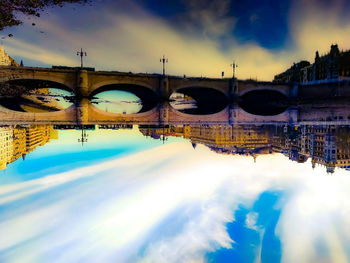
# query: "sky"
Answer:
x=171 y=203
x=200 y=38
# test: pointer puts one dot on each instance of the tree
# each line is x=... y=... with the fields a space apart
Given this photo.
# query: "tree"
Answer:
x=8 y=8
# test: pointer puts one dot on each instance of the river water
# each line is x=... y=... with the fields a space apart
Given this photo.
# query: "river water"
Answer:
x=175 y=193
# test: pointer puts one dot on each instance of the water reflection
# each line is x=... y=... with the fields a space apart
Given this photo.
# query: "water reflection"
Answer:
x=35 y=96
x=198 y=100
x=117 y=101
x=175 y=193
x=325 y=145
x=18 y=141
x=182 y=102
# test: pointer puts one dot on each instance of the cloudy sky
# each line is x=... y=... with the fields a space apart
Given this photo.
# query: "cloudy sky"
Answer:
x=200 y=38
x=149 y=202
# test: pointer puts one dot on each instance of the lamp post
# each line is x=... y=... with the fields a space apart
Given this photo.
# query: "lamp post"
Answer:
x=234 y=66
x=164 y=60
x=81 y=53
x=84 y=136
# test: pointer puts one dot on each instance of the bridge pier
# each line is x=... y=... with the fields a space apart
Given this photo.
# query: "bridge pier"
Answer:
x=163 y=113
x=232 y=89
x=294 y=90
x=82 y=86
x=82 y=97
x=82 y=111
x=232 y=114
x=164 y=90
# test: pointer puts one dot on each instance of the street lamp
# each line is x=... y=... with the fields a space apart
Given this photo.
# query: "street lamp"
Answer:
x=234 y=66
x=81 y=53
x=164 y=60
x=84 y=136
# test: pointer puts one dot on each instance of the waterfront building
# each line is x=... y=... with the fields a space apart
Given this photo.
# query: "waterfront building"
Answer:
x=293 y=74
x=334 y=65
x=37 y=135
x=19 y=143
x=6 y=146
x=115 y=126
x=5 y=59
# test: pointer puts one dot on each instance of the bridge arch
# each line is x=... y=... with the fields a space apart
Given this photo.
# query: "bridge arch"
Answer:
x=200 y=85
x=242 y=90
x=39 y=83
x=178 y=116
x=263 y=102
x=60 y=79
x=121 y=81
x=66 y=115
x=242 y=116
x=208 y=100
x=148 y=96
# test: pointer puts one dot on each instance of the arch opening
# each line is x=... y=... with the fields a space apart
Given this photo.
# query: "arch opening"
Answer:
x=124 y=98
x=264 y=102
x=198 y=100
x=28 y=95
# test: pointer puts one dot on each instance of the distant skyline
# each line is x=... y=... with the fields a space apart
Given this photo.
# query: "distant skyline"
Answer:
x=200 y=38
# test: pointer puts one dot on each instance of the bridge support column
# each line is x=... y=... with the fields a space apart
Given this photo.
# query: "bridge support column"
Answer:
x=83 y=111
x=232 y=114
x=294 y=90
x=293 y=115
x=82 y=87
x=82 y=97
x=164 y=92
x=163 y=111
x=232 y=89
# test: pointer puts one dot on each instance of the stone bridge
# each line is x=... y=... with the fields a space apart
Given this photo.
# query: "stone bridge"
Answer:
x=153 y=89
x=162 y=114
x=87 y=83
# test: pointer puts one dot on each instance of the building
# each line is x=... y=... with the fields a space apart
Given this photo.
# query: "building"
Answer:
x=5 y=59
x=37 y=135
x=334 y=65
x=293 y=74
x=17 y=141
x=6 y=146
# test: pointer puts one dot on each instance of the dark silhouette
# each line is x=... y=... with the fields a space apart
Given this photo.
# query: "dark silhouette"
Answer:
x=8 y=8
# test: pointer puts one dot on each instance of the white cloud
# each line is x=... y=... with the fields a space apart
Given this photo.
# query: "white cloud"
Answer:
x=110 y=210
x=131 y=39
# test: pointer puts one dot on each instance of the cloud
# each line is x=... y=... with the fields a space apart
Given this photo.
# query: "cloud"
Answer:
x=129 y=38
x=170 y=204
x=316 y=27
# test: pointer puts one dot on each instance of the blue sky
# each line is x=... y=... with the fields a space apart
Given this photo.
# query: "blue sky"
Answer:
x=265 y=22
x=198 y=37
x=67 y=153
x=149 y=202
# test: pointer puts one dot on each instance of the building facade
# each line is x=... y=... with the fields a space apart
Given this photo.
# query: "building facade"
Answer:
x=17 y=141
x=334 y=65
x=5 y=59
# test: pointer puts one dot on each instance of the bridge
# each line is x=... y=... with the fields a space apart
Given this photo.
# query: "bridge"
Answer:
x=164 y=114
x=154 y=90
x=87 y=83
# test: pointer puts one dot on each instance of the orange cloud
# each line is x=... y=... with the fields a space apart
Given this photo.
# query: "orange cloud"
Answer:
x=136 y=42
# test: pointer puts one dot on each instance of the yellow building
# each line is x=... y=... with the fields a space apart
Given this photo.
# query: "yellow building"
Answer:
x=5 y=59
x=6 y=146
x=37 y=135
x=19 y=143
x=227 y=136
x=187 y=131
